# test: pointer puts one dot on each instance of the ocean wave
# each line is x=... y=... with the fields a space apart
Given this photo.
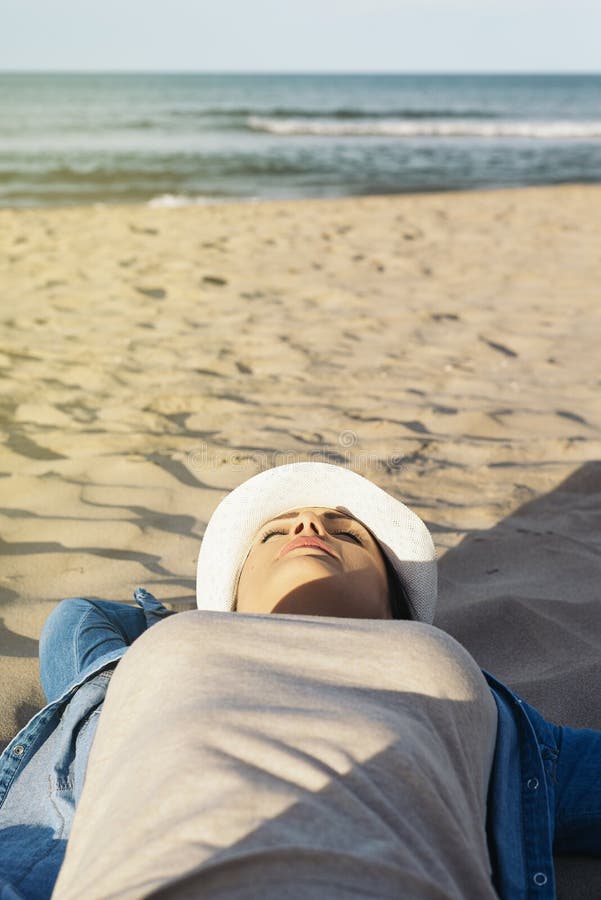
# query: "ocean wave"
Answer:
x=562 y=130
x=340 y=113
x=173 y=201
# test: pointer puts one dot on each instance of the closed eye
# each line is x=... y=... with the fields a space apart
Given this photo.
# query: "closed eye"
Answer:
x=273 y=531
x=351 y=534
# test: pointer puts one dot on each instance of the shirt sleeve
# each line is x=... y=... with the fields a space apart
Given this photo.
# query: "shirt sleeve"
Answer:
x=572 y=763
x=8 y=891
x=578 y=792
x=153 y=609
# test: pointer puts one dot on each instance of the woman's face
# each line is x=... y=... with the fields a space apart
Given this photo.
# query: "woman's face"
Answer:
x=315 y=561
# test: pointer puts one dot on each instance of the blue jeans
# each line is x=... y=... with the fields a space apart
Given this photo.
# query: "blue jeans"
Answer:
x=77 y=632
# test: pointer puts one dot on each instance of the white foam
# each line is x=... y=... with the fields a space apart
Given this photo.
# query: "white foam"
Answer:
x=564 y=130
x=171 y=201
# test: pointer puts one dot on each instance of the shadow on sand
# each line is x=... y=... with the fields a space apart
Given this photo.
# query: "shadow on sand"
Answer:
x=525 y=599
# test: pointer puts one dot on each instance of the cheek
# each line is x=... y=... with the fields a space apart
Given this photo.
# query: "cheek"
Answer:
x=245 y=581
x=253 y=572
x=356 y=557
x=365 y=563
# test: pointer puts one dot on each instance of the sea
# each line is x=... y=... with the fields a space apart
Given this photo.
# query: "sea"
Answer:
x=176 y=139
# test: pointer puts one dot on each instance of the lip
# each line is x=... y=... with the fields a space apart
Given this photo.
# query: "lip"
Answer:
x=306 y=542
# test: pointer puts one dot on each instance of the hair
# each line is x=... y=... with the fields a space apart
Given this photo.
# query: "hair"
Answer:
x=397 y=592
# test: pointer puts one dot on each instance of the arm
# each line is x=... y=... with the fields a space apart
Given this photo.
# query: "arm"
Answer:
x=79 y=631
x=572 y=763
x=578 y=792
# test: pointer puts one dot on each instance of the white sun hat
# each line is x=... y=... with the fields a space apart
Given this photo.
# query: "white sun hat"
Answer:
x=401 y=534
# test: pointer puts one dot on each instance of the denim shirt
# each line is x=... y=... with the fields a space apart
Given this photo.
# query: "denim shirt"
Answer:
x=529 y=807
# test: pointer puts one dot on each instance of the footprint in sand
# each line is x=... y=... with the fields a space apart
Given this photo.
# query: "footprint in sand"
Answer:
x=155 y=293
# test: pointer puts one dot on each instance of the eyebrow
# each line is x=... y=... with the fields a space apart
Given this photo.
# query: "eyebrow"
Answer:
x=326 y=515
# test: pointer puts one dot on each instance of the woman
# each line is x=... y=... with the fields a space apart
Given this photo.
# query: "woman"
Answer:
x=326 y=741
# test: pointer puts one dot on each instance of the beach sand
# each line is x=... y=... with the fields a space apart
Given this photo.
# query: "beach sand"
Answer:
x=443 y=345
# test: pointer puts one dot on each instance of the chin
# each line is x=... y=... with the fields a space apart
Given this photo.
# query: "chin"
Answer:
x=301 y=604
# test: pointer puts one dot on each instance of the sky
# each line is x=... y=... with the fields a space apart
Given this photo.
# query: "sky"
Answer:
x=301 y=35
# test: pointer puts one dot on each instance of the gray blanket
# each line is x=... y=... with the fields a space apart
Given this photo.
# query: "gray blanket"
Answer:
x=287 y=756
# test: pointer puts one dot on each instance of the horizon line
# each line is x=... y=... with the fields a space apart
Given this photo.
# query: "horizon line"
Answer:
x=446 y=72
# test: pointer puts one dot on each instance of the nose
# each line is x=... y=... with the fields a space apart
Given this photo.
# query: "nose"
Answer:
x=309 y=521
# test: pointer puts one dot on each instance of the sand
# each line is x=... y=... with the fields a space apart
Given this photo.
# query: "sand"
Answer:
x=444 y=345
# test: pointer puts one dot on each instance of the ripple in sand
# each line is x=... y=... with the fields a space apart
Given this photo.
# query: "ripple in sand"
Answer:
x=24 y=446
x=500 y=348
x=565 y=414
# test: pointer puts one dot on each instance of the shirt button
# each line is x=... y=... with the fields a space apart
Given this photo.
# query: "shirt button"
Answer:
x=19 y=750
x=539 y=879
x=532 y=784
